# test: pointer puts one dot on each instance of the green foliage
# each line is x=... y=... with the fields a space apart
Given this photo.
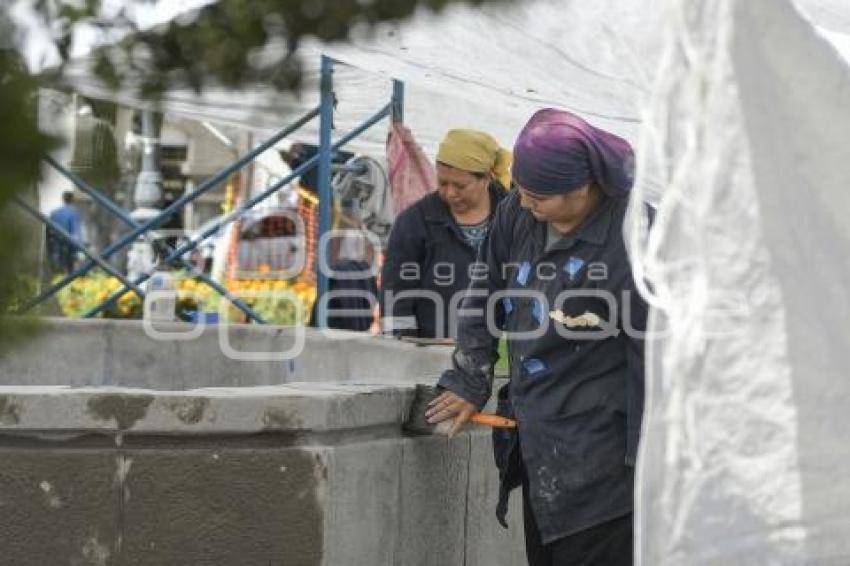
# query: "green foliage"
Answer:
x=21 y=148
x=503 y=367
x=222 y=42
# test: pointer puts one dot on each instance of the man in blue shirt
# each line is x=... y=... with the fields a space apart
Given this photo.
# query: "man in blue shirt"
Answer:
x=60 y=253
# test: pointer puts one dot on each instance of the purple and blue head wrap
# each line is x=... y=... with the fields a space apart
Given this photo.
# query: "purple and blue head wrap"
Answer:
x=557 y=152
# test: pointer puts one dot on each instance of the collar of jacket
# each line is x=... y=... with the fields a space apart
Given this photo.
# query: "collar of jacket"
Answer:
x=593 y=230
x=437 y=211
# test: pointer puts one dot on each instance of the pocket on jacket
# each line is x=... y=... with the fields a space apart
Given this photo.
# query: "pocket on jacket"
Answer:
x=583 y=447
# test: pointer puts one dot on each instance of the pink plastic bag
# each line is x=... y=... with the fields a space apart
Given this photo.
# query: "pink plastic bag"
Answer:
x=412 y=174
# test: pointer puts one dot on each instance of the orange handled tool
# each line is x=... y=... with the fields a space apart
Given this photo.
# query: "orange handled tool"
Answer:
x=490 y=419
x=417 y=423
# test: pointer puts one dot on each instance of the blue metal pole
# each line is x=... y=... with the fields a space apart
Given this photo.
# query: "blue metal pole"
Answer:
x=173 y=207
x=371 y=121
x=398 y=102
x=300 y=170
x=233 y=215
x=325 y=195
x=191 y=245
x=104 y=201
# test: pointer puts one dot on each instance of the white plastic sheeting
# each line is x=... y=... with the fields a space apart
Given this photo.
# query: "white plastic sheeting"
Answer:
x=833 y=15
x=488 y=68
x=744 y=458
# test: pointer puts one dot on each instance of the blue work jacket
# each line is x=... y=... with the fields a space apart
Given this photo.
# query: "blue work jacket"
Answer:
x=427 y=265
x=576 y=375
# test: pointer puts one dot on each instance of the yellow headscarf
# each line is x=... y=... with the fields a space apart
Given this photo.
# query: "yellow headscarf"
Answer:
x=476 y=152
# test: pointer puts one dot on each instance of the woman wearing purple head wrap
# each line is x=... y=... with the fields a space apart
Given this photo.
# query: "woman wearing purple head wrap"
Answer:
x=560 y=287
x=564 y=166
x=558 y=152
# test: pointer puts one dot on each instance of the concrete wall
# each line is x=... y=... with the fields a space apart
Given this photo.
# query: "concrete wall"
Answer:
x=211 y=460
x=121 y=353
x=295 y=474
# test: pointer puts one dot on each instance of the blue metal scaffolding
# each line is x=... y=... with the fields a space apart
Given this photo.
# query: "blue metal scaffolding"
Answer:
x=327 y=148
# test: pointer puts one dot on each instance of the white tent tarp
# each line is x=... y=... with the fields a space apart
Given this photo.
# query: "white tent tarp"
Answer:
x=744 y=460
x=488 y=68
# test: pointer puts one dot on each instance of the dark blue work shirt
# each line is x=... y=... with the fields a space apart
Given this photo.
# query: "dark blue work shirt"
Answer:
x=427 y=266
x=576 y=387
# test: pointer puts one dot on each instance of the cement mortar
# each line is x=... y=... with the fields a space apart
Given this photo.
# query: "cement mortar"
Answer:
x=10 y=412
x=124 y=409
x=190 y=411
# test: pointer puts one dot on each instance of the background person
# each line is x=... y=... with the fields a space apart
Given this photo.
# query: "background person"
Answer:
x=59 y=252
x=434 y=241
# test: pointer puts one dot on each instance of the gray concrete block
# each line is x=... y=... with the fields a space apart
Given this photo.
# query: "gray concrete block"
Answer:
x=292 y=407
x=434 y=480
x=399 y=361
x=58 y=507
x=362 y=522
x=399 y=500
x=135 y=360
x=164 y=361
x=335 y=355
x=65 y=352
x=122 y=353
x=231 y=506
x=487 y=542
x=321 y=359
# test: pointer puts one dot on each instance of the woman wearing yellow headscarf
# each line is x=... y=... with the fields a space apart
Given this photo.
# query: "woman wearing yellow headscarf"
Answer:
x=430 y=256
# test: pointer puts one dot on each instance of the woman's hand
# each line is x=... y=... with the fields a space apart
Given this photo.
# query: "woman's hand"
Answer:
x=449 y=405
